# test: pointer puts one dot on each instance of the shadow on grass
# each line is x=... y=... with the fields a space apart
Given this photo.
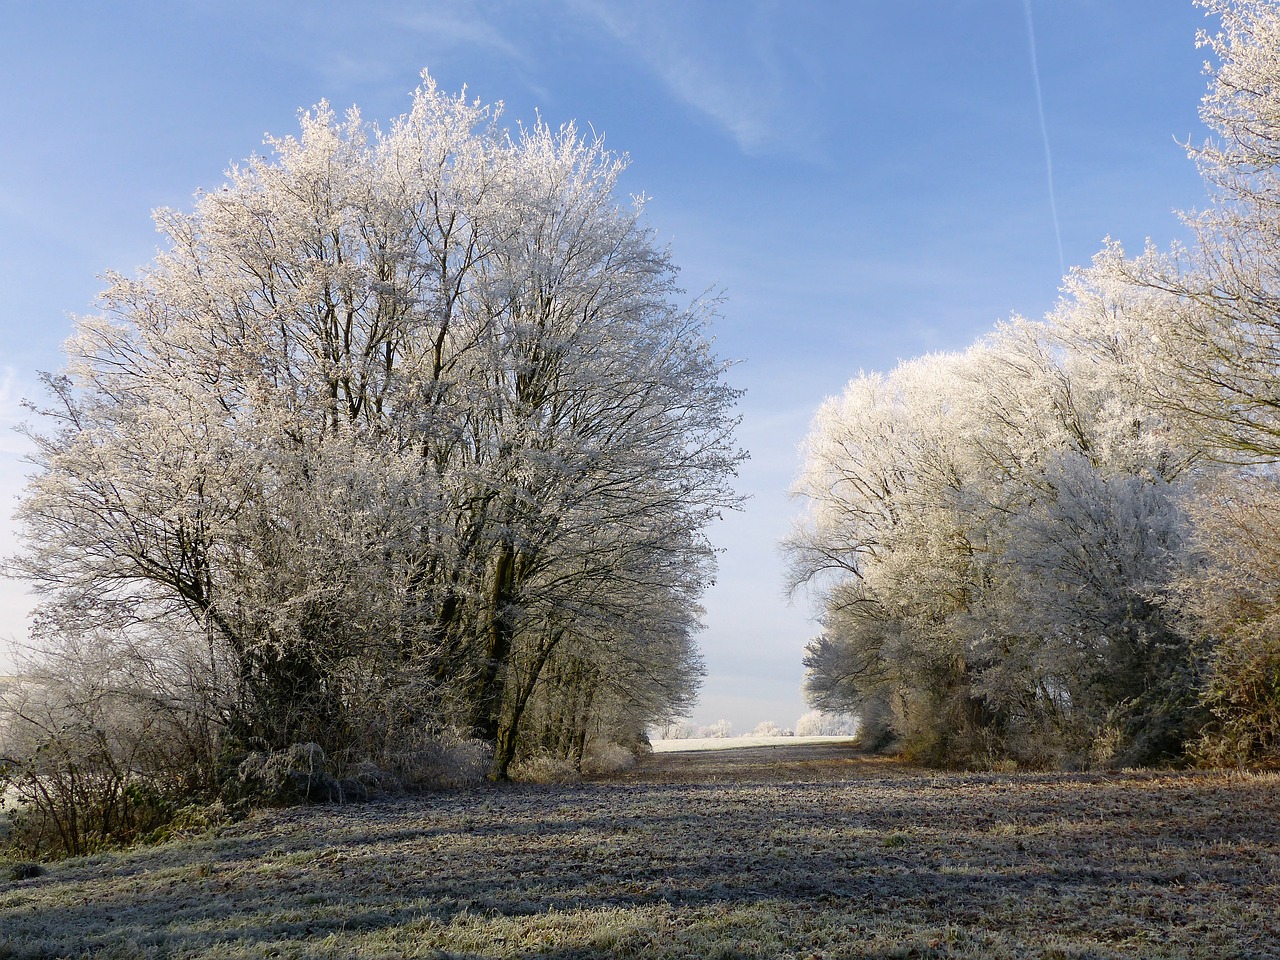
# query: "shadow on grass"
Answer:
x=1130 y=865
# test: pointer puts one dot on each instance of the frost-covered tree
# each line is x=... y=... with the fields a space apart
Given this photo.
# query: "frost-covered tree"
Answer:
x=1060 y=544
x=988 y=533
x=886 y=541
x=394 y=417
x=720 y=730
x=1215 y=321
x=818 y=723
x=1231 y=597
x=1212 y=314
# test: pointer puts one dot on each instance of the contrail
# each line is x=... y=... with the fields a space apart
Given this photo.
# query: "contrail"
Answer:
x=1044 y=135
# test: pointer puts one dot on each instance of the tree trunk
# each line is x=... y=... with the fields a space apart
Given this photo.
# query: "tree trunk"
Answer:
x=508 y=735
x=490 y=684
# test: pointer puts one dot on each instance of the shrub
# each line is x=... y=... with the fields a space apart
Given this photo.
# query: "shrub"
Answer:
x=105 y=737
x=89 y=761
x=442 y=759
x=282 y=777
x=603 y=757
x=74 y=791
x=412 y=761
x=1243 y=697
x=544 y=768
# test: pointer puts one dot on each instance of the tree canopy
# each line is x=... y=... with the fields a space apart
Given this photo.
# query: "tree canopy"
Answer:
x=405 y=430
x=1054 y=547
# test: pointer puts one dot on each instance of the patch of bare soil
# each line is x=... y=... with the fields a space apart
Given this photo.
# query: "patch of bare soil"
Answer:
x=794 y=851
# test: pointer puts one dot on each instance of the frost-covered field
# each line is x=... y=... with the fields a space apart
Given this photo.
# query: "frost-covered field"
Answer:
x=687 y=744
x=800 y=851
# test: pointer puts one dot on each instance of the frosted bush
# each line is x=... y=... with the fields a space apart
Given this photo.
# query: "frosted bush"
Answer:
x=440 y=761
x=605 y=757
x=293 y=775
x=544 y=769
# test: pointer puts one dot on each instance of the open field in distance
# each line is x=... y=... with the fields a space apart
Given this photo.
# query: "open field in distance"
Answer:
x=784 y=851
x=685 y=744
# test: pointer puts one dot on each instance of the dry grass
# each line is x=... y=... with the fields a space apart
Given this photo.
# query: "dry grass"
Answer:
x=770 y=852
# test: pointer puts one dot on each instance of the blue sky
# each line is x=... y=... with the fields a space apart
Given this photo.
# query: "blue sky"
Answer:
x=864 y=181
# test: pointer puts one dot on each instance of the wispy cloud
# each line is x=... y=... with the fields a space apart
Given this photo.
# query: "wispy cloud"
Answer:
x=732 y=64
x=457 y=28
x=480 y=27
x=744 y=64
x=372 y=48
